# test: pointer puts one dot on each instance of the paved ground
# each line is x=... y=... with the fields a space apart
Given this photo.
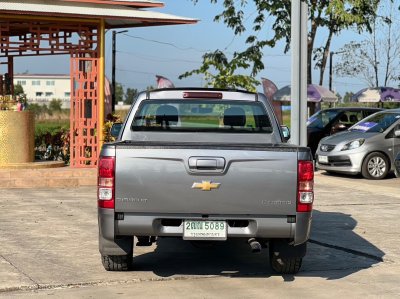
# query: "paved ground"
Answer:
x=48 y=247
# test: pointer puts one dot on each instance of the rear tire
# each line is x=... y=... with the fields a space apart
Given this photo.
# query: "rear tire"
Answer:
x=284 y=265
x=285 y=258
x=117 y=262
x=375 y=166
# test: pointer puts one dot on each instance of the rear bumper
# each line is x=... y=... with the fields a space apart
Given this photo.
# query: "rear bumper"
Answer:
x=268 y=227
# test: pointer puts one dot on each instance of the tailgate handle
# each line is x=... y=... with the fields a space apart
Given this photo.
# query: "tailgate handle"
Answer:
x=206 y=163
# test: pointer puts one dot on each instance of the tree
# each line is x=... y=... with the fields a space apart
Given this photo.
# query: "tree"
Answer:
x=55 y=105
x=130 y=95
x=150 y=88
x=225 y=77
x=376 y=58
x=339 y=97
x=347 y=97
x=18 y=90
x=338 y=16
x=334 y=16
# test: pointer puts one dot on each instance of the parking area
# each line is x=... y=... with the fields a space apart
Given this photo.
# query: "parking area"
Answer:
x=49 y=248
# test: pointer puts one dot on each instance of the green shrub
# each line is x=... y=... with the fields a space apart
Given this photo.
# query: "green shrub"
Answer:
x=39 y=110
x=50 y=126
x=56 y=134
x=55 y=105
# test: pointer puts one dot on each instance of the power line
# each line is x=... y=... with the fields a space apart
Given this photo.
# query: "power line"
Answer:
x=191 y=48
x=168 y=60
x=136 y=72
x=167 y=44
x=155 y=59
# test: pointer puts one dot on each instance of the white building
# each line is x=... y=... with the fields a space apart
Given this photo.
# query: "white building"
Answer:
x=42 y=88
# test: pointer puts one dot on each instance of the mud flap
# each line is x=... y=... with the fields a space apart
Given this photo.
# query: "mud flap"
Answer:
x=109 y=244
x=120 y=246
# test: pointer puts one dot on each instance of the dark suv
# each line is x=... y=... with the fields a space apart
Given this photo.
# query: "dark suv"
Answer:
x=330 y=121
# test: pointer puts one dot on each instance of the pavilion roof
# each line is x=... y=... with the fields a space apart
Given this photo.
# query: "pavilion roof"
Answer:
x=116 y=13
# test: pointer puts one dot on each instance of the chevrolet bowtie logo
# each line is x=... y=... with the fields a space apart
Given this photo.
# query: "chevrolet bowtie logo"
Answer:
x=206 y=186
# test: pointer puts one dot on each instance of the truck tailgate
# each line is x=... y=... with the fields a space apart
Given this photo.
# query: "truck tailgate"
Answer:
x=181 y=179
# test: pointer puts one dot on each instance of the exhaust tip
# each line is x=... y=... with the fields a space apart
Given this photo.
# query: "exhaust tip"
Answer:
x=254 y=245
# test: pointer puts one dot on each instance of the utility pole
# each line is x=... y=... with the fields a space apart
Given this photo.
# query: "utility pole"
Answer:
x=113 y=83
x=298 y=121
x=114 y=34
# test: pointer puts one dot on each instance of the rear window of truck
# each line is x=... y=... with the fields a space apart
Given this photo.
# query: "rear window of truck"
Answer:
x=202 y=116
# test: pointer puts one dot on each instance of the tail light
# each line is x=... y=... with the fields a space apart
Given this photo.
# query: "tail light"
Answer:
x=305 y=186
x=106 y=183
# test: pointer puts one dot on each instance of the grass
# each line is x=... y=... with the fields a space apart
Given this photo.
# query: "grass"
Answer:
x=286 y=118
x=122 y=113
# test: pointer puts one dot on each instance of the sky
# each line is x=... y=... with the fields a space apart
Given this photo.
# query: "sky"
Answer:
x=169 y=51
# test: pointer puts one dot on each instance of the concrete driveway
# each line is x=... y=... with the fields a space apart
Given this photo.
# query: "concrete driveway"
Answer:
x=49 y=248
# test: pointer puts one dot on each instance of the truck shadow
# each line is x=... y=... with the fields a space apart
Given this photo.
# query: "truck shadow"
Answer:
x=178 y=257
x=334 y=251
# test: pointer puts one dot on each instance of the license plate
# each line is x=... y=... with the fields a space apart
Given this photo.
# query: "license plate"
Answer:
x=204 y=230
x=323 y=159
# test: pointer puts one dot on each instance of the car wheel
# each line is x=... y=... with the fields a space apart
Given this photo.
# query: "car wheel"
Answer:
x=375 y=166
x=285 y=265
x=117 y=262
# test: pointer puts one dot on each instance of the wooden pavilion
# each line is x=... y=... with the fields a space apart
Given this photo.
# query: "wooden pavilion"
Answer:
x=76 y=28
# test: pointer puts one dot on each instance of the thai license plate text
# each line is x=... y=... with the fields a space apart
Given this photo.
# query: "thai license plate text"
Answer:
x=204 y=230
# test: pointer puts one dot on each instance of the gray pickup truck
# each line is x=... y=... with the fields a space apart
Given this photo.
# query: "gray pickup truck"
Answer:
x=204 y=165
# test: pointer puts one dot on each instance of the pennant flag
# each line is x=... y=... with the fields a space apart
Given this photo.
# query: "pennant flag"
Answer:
x=163 y=82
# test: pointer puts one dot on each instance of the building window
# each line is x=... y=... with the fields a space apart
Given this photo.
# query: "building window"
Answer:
x=39 y=94
x=49 y=94
x=36 y=83
x=67 y=94
x=50 y=83
x=21 y=82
